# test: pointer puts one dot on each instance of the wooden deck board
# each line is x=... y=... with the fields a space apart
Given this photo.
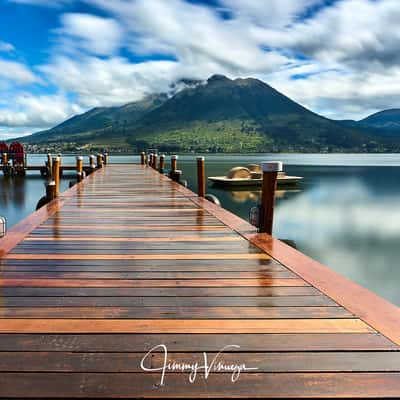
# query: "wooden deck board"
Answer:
x=128 y=260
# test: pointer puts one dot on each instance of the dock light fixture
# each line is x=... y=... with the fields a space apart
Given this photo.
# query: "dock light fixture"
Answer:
x=3 y=226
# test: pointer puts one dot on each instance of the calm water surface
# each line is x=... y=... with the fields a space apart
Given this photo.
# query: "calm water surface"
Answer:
x=345 y=214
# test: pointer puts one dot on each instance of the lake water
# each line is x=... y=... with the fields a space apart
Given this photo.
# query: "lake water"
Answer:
x=345 y=213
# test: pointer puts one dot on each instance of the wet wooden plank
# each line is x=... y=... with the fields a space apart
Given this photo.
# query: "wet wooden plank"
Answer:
x=62 y=361
x=188 y=326
x=182 y=342
x=174 y=312
x=62 y=300
x=260 y=385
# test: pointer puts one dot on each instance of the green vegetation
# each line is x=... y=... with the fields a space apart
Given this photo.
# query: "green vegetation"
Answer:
x=222 y=115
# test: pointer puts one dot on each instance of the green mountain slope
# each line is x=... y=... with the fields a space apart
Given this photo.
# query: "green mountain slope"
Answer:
x=224 y=115
x=93 y=123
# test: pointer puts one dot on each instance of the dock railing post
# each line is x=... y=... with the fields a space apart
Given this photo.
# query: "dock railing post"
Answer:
x=175 y=174
x=105 y=158
x=174 y=160
x=99 y=161
x=56 y=175
x=92 y=164
x=161 y=167
x=150 y=160
x=79 y=169
x=51 y=191
x=154 y=165
x=270 y=172
x=201 y=177
x=50 y=165
x=142 y=158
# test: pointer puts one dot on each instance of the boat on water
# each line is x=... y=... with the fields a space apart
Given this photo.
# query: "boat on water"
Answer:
x=251 y=175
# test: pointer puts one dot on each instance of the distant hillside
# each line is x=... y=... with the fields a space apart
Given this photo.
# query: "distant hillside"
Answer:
x=85 y=127
x=384 y=124
x=220 y=115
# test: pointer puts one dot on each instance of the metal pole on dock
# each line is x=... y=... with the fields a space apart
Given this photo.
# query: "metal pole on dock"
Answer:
x=79 y=169
x=270 y=172
x=56 y=174
x=143 y=158
x=201 y=177
x=161 y=166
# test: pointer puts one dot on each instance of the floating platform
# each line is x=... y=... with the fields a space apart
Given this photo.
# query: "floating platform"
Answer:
x=225 y=181
x=128 y=260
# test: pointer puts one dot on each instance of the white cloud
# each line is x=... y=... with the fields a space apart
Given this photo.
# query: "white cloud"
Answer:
x=94 y=34
x=33 y=111
x=16 y=72
x=274 y=13
x=6 y=47
x=350 y=68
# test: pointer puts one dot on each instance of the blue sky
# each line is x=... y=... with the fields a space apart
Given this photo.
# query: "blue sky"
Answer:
x=340 y=58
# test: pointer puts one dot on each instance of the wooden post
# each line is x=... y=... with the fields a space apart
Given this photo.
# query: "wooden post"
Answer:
x=4 y=159
x=105 y=158
x=79 y=168
x=56 y=175
x=174 y=159
x=143 y=158
x=99 y=161
x=51 y=191
x=50 y=165
x=154 y=161
x=92 y=164
x=150 y=159
x=270 y=172
x=161 y=167
x=201 y=177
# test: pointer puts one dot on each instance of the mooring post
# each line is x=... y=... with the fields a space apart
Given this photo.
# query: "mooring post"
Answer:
x=154 y=161
x=79 y=168
x=92 y=164
x=105 y=158
x=270 y=172
x=99 y=161
x=161 y=166
x=51 y=191
x=4 y=159
x=174 y=161
x=150 y=159
x=50 y=165
x=56 y=175
x=143 y=158
x=175 y=174
x=201 y=177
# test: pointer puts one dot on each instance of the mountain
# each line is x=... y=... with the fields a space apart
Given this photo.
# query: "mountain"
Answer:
x=388 y=121
x=93 y=122
x=384 y=124
x=219 y=115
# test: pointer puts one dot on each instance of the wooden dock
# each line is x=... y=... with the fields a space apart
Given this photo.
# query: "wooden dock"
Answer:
x=128 y=260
